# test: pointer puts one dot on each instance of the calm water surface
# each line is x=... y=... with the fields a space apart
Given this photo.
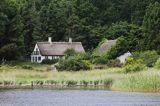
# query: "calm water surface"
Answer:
x=76 y=98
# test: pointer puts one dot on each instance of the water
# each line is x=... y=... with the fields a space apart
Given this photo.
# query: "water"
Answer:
x=76 y=98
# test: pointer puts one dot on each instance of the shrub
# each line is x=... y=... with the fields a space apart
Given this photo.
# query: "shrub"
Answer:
x=157 y=65
x=69 y=52
x=73 y=64
x=108 y=82
x=134 y=68
x=131 y=61
x=149 y=58
x=100 y=60
x=48 y=61
x=27 y=67
x=71 y=83
x=85 y=83
x=114 y=63
x=96 y=82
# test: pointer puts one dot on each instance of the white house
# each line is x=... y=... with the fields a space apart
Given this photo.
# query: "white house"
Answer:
x=53 y=50
x=123 y=57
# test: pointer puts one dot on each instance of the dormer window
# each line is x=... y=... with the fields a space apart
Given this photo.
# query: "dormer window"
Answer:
x=36 y=52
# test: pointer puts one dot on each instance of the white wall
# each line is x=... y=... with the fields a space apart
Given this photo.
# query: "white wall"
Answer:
x=123 y=57
x=35 y=57
x=38 y=58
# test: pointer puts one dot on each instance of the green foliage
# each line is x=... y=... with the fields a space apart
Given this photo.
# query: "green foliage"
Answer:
x=133 y=65
x=73 y=64
x=24 y=22
x=48 y=61
x=157 y=65
x=74 y=61
x=10 y=29
x=128 y=38
x=117 y=30
x=114 y=63
x=148 y=58
x=131 y=61
x=108 y=82
x=134 y=68
x=9 y=51
x=71 y=83
x=151 y=26
x=69 y=52
x=100 y=60
x=119 y=49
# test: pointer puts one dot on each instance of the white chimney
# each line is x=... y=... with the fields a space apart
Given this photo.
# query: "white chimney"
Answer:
x=50 y=39
x=70 y=40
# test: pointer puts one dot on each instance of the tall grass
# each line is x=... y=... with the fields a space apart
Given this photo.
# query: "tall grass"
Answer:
x=147 y=80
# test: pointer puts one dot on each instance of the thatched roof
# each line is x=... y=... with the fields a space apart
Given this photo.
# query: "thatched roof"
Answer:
x=58 y=48
x=106 y=46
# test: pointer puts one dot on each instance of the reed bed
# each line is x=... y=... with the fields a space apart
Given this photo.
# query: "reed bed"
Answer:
x=146 y=81
x=114 y=78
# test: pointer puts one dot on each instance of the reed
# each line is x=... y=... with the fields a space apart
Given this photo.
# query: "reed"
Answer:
x=114 y=78
x=146 y=81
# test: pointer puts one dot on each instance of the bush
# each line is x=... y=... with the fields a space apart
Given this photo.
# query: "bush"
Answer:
x=108 y=82
x=27 y=67
x=131 y=61
x=73 y=64
x=157 y=65
x=100 y=60
x=114 y=63
x=48 y=61
x=71 y=83
x=69 y=52
x=149 y=58
x=134 y=68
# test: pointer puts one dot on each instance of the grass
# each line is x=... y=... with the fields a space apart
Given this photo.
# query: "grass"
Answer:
x=146 y=81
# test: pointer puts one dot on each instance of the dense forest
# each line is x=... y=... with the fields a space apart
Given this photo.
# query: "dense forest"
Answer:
x=135 y=23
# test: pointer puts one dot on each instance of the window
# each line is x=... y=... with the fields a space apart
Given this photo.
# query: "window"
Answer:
x=39 y=58
x=46 y=57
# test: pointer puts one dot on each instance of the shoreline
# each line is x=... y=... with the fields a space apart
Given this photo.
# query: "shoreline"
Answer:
x=113 y=79
x=78 y=87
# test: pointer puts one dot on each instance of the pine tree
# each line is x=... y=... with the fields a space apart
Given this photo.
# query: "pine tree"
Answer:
x=30 y=23
x=151 y=26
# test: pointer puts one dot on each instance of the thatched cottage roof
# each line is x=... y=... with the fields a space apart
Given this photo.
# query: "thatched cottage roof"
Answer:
x=58 y=48
x=106 y=46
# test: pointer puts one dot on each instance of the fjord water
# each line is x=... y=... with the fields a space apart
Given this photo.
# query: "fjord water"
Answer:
x=76 y=98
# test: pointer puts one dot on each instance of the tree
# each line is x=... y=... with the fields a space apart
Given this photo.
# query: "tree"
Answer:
x=10 y=32
x=30 y=24
x=151 y=26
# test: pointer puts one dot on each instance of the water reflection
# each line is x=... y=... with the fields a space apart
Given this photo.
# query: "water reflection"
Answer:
x=76 y=98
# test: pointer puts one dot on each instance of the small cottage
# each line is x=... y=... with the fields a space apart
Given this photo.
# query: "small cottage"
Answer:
x=54 y=50
x=105 y=46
